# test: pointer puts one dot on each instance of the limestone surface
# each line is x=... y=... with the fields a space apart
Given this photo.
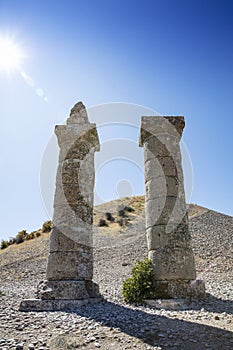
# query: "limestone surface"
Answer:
x=70 y=262
x=167 y=229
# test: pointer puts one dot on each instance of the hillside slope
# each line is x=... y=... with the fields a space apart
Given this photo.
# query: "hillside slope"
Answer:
x=113 y=324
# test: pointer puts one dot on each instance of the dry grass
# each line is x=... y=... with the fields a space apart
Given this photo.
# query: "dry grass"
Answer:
x=196 y=210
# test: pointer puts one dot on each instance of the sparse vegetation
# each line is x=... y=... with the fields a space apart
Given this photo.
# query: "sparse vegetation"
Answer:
x=137 y=203
x=129 y=209
x=109 y=217
x=102 y=223
x=121 y=213
x=4 y=244
x=47 y=226
x=23 y=235
x=30 y=236
x=140 y=285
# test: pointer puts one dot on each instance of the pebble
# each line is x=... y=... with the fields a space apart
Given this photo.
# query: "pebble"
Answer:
x=114 y=324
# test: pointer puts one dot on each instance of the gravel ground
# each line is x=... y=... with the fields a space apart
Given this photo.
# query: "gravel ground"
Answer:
x=113 y=324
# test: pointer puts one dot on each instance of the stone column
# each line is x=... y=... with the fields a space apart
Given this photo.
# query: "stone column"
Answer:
x=167 y=228
x=69 y=273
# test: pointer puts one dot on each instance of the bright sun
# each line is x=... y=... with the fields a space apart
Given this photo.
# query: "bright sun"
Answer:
x=10 y=54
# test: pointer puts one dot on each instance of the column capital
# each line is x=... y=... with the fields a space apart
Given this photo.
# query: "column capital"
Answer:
x=155 y=126
x=78 y=127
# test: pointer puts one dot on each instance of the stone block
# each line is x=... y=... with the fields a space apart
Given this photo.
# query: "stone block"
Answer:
x=82 y=235
x=164 y=186
x=174 y=236
x=197 y=289
x=153 y=127
x=72 y=215
x=173 y=263
x=74 y=194
x=165 y=210
x=68 y=193
x=68 y=171
x=78 y=114
x=75 y=149
x=49 y=290
x=70 y=241
x=68 y=289
x=162 y=166
x=70 y=265
x=172 y=289
x=92 y=289
x=73 y=132
x=164 y=146
x=180 y=289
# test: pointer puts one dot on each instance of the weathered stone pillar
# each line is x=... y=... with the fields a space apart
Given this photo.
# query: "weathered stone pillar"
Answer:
x=167 y=229
x=70 y=264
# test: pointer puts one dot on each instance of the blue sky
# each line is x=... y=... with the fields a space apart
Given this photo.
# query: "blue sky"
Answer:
x=171 y=56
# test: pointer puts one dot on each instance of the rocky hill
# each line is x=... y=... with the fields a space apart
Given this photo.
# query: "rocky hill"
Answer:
x=113 y=324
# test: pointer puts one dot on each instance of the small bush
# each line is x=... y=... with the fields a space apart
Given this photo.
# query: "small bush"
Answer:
x=140 y=285
x=129 y=209
x=102 y=223
x=30 y=236
x=4 y=244
x=47 y=226
x=121 y=212
x=21 y=236
x=38 y=234
x=109 y=217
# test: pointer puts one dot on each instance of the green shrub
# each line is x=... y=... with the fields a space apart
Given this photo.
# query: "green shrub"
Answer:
x=21 y=236
x=30 y=236
x=129 y=209
x=109 y=217
x=47 y=226
x=38 y=234
x=4 y=244
x=140 y=285
x=121 y=213
x=102 y=223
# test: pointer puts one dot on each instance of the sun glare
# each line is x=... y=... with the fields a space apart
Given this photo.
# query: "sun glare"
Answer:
x=10 y=54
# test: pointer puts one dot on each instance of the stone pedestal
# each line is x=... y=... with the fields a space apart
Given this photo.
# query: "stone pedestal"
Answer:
x=167 y=229
x=70 y=263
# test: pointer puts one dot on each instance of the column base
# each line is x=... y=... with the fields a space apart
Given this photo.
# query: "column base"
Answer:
x=55 y=305
x=62 y=295
x=180 y=289
x=67 y=289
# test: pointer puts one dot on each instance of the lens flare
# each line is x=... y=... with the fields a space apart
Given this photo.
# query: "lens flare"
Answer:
x=10 y=54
